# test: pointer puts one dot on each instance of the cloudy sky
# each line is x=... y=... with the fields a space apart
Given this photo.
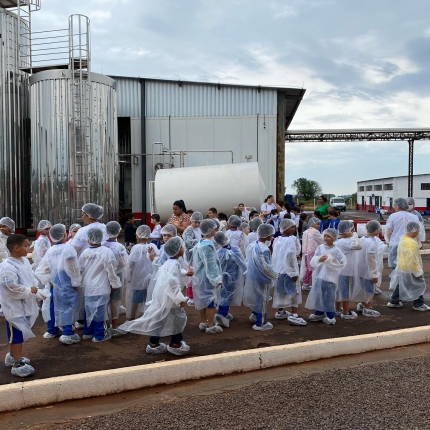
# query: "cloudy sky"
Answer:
x=363 y=63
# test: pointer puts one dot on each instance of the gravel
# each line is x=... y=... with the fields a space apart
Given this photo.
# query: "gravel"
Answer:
x=389 y=395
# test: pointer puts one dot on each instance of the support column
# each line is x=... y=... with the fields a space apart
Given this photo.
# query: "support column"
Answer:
x=280 y=148
x=411 y=168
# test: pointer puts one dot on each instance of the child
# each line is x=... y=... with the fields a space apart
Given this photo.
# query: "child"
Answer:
x=113 y=230
x=222 y=218
x=311 y=240
x=253 y=214
x=165 y=315
x=369 y=269
x=156 y=232
x=73 y=230
x=349 y=244
x=129 y=231
x=98 y=267
x=407 y=280
x=232 y=267
x=327 y=262
x=253 y=226
x=237 y=237
x=295 y=214
x=259 y=277
x=274 y=221
x=42 y=244
x=286 y=251
x=18 y=293
x=7 y=227
x=207 y=277
x=139 y=272
x=303 y=225
x=334 y=219
x=60 y=268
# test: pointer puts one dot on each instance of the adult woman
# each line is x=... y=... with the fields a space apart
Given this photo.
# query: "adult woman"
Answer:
x=324 y=208
x=180 y=219
x=268 y=205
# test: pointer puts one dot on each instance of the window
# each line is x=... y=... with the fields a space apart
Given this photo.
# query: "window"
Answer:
x=361 y=188
x=425 y=186
x=388 y=187
x=369 y=187
x=378 y=187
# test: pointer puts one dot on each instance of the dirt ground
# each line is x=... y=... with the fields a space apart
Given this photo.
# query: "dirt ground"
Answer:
x=51 y=358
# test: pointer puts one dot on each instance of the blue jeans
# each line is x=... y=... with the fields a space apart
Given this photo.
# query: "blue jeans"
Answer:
x=329 y=314
x=51 y=329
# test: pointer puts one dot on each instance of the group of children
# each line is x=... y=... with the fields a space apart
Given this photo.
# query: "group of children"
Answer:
x=81 y=278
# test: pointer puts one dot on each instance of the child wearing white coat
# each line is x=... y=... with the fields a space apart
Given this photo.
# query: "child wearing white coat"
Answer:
x=42 y=244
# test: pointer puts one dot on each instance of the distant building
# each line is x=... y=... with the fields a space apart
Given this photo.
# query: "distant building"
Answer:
x=382 y=192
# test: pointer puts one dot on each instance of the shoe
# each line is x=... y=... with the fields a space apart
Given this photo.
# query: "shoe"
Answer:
x=350 y=316
x=122 y=310
x=329 y=321
x=263 y=327
x=377 y=291
x=116 y=332
x=203 y=326
x=50 y=336
x=339 y=313
x=395 y=305
x=252 y=317
x=87 y=336
x=161 y=348
x=315 y=317
x=370 y=313
x=282 y=315
x=22 y=370
x=221 y=319
x=190 y=302
x=214 y=329
x=360 y=307
x=70 y=340
x=78 y=325
x=229 y=317
x=306 y=287
x=421 y=308
x=107 y=337
x=296 y=320
x=8 y=360
x=184 y=349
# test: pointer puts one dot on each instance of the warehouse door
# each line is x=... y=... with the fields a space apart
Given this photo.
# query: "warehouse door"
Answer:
x=362 y=203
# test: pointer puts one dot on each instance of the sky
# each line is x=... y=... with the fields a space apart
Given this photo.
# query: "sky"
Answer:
x=364 y=64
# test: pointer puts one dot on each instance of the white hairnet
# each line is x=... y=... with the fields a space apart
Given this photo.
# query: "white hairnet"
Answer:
x=9 y=222
x=254 y=223
x=196 y=216
x=72 y=227
x=44 y=223
x=401 y=203
x=243 y=226
x=410 y=201
x=234 y=221
x=286 y=224
x=169 y=229
x=113 y=228
x=216 y=220
x=331 y=232
x=221 y=238
x=208 y=225
x=92 y=210
x=253 y=209
x=95 y=235
x=373 y=227
x=413 y=226
x=313 y=221
x=265 y=230
x=57 y=232
x=143 y=232
x=173 y=246
x=345 y=226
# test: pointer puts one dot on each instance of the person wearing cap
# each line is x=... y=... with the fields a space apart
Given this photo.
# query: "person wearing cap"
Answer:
x=113 y=230
x=98 y=267
x=42 y=243
x=158 y=256
x=60 y=268
x=236 y=236
x=73 y=229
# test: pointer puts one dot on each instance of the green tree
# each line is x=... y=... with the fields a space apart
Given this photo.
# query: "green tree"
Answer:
x=306 y=188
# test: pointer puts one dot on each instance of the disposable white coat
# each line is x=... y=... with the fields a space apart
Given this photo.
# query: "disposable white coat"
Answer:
x=237 y=238
x=4 y=252
x=40 y=247
x=311 y=240
x=80 y=241
x=191 y=237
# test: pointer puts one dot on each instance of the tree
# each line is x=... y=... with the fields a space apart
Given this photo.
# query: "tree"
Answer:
x=306 y=188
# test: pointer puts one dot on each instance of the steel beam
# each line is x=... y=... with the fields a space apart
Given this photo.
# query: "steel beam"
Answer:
x=411 y=168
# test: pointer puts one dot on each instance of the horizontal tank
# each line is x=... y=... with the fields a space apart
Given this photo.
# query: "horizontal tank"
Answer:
x=222 y=186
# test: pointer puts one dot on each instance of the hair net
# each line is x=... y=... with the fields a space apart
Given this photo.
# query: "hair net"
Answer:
x=373 y=227
x=254 y=223
x=216 y=220
x=95 y=235
x=412 y=226
x=113 y=228
x=331 y=232
x=234 y=221
x=173 y=246
x=43 y=224
x=57 y=232
x=265 y=230
x=313 y=221
x=243 y=226
x=196 y=216
x=208 y=225
x=92 y=210
x=410 y=201
x=73 y=226
x=253 y=209
x=401 y=203
x=221 y=238
x=286 y=224
x=345 y=226
x=169 y=229
x=9 y=222
x=143 y=232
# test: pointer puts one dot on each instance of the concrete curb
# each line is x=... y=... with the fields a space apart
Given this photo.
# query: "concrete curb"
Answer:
x=52 y=390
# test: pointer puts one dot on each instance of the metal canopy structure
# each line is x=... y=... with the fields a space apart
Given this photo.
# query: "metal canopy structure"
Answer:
x=365 y=135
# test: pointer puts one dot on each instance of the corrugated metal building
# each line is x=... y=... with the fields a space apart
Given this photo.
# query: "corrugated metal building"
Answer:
x=211 y=124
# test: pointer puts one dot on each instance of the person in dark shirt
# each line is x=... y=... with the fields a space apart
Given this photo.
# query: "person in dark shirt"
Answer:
x=129 y=231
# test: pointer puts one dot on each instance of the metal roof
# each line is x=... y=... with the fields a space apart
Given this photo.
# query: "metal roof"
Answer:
x=393 y=177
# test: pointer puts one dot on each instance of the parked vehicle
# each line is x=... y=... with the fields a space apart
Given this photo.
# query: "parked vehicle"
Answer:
x=338 y=203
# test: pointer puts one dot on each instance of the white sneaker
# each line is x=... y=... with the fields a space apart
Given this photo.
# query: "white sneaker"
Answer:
x=87 y=336
x=22 y=371
x=8 y=360
x=329 y=321
x=370 y=313
x=50 y=336
x=315 y=317
x=203 y=326
x=306 y=287
x=263 y=327
x=421 y=308
x=184 y=349
x=79 y=326
x=161 y=348
x=107 y=337
x=190 y=302
x=296 y=320
x=122 y=310
x=70 y=340
x=220 y=319
x=214 y=329
x=360 y=307
x=350 y=316
x=282 y=315
x=377 y=291
x=230 y=316
x=395 y=305
x=252 y=317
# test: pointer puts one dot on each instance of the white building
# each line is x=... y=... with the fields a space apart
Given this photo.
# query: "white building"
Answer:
x=382 y=192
